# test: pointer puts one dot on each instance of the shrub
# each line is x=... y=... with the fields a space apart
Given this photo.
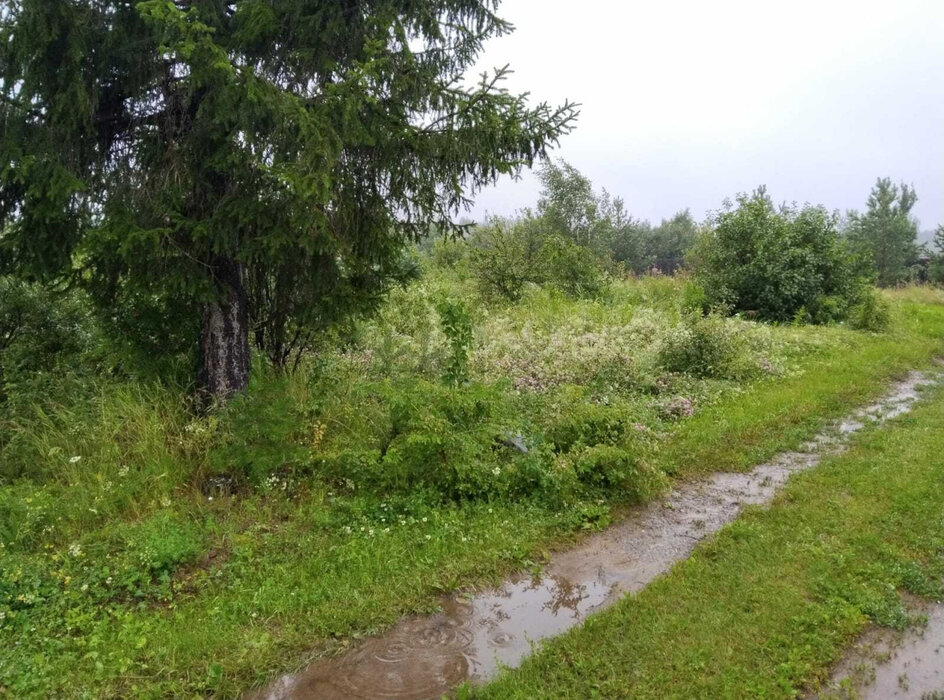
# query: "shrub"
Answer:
x=571 y=268
x=611 y=467
x=42 y=332
x=457 y=325
x=871 y=313
x=589 y=424
x=777 y=263
x=506 y=255
x=703 y=346
x=449 y=253
x=440 y=438
x=259 y=433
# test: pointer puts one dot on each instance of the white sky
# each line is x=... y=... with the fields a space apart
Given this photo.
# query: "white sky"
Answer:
x=685 y=103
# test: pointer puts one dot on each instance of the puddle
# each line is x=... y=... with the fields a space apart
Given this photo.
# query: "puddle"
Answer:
x=421 y=658
x=889 y=665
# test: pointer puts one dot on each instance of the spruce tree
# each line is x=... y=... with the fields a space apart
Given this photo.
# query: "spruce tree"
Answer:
x=887 y=234
x=245 y=170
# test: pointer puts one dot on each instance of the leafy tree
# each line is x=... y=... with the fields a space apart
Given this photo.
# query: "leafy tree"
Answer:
x=887 y=233
x=246 y=165
x=568 y=204
x=671 y=240
x=936 y=273
x=777 y=263
x=507 y=254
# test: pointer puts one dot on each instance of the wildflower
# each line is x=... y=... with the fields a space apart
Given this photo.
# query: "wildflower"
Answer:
x=3 y=615
x=429 y=537
x=76 y=458
x=84 y=587
x=209 y=498
x=123 y=470
x=165 y=501
x=496 y=471
x=75 y=549
x=424 y=519
x=108 y=581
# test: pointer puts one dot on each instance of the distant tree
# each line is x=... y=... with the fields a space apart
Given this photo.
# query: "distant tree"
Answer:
x=777 y=263
x=671 y=240
x=936 y=272
x=228 y=167
x=568 y=203
x=887 y=233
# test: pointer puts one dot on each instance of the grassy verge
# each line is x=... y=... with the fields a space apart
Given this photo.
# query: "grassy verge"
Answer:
x=743 y=429
x=121 y=575
x=765 y=607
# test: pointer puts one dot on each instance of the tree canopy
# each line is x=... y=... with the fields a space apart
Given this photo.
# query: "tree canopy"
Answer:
x=216 y=168
x=887 y=233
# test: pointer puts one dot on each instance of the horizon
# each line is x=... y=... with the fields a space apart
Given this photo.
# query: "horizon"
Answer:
x=832 y=98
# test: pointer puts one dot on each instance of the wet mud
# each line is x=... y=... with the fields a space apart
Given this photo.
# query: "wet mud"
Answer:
x=421 y=658
x=889 y=665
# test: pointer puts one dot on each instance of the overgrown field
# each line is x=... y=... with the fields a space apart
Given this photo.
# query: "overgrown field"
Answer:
x=146 y=551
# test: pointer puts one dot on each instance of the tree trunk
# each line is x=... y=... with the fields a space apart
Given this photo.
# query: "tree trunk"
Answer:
x=224 y=341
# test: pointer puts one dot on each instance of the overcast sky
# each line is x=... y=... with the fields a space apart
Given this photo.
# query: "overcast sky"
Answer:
x=686 y=103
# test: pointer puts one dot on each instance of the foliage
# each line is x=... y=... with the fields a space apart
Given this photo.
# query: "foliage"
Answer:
x=507 y=255
x=42 y=333
x=569 y=207
x=504 y=256
x=568 y=204
x=777 y=264
x=251 y=158
x=872 y=313
x=887 y=233
x=936 y=273
x=704 y=346
x=457 y=326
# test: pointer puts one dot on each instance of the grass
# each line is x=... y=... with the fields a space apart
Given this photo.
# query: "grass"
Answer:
x=127 y=573
x=765 y=607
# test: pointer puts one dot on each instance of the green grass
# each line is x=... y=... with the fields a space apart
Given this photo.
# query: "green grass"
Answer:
x=745 y=428
x=120 y=578
x=767 y=605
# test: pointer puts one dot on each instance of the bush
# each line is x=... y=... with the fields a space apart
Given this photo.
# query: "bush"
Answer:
x=504 y=257
x=777 y=264
x=704 y=346
x=588 y=424
x=456 y=323
x=611 y=467
x=440 y=438
x=571 y=268
x=259 y=433
x=507 y=255
x=871 y=313
x=42 y=332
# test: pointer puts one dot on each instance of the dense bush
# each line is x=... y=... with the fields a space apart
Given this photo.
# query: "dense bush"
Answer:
x=40 y=332
x=777 y=264
x=453 y=441
x=507 y=255
x=704 y=346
